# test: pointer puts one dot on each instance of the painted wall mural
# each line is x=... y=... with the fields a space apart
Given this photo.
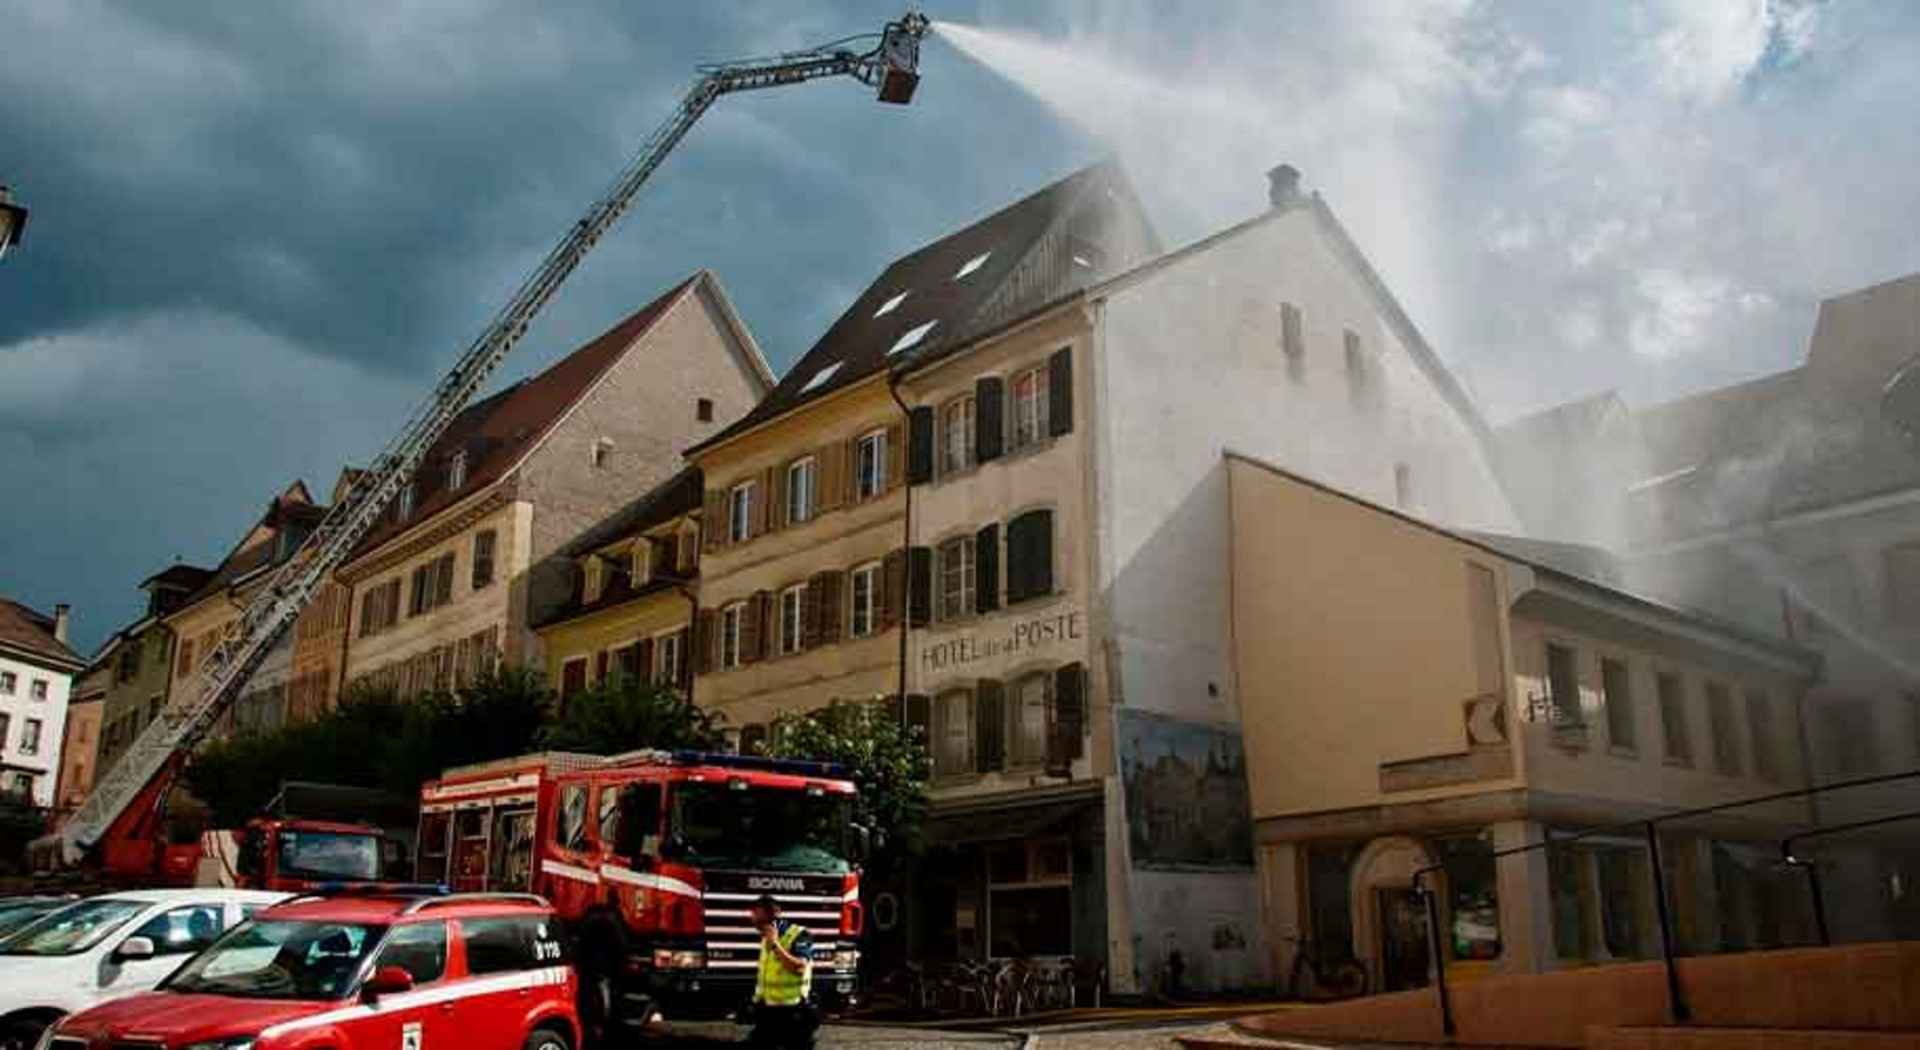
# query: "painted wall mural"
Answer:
x=1186 y=794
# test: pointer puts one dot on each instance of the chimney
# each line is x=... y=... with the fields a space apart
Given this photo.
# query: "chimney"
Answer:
x=1283 y=186
x=60 y=623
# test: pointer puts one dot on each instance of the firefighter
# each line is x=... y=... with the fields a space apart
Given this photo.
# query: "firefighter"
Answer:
x=783 y=1016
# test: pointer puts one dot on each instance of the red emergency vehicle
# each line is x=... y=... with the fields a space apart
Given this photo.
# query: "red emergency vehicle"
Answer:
x=651 y=859
x=362 y=972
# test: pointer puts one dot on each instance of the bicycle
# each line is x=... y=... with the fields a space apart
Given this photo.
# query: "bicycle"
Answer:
x=1318 y=978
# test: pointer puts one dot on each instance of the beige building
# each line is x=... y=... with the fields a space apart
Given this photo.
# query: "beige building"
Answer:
x=318 y=655
x=141 y=657
x=470 y=557
x=80 y=743
x=632 y=610
x=1416 y=698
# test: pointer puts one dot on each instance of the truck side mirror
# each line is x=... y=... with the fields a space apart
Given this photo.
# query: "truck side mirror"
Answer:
x=253 y=851
x=134 y=949
x=387 y=980
x=862 y=842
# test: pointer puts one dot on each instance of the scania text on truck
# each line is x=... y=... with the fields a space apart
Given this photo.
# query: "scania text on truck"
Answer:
x=652 y=860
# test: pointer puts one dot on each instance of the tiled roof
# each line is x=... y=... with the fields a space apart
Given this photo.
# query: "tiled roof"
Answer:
x=677 y=495
x=496 y=432
x=256 y=548
x=179 y=574
x=935 y=298
x=31 y=632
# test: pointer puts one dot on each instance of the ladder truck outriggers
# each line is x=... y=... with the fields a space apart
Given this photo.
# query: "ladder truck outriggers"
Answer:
x=652 y=860
x=121 y=828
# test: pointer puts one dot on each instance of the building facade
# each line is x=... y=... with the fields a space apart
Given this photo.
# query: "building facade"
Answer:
x=37 y=671
x=470 y=558
x=141 y=658
x=995 y=489
x=1524 y=697
x=80 y=743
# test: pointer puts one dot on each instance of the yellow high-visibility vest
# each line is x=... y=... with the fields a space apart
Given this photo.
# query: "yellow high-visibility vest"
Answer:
x=778 y=985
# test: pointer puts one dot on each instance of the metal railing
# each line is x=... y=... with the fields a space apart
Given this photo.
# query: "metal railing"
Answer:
x=1649 y=828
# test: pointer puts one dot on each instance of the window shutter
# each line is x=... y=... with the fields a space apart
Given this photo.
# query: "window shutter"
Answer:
x=893 y=588
x=810 y=612
x=989 y=433
x=1069 y=719
x=705 y=640
x=920 y=446
x=776 y=499
x=989 y=726
x=830 y=486
x=919 y=586
x=446 y=579
x=918 y=711
x=1060 y=392
x=986 y=569
x=713 y=520
x=753 y=623
x=895 y=455
x=763 y=502
x=823 y=608
x=1030 y=556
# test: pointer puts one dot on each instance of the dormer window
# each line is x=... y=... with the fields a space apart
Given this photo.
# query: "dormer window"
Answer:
x=590 y=580
x=457 y=471
x=640 y=560
x=406 y=501
x=602 y=452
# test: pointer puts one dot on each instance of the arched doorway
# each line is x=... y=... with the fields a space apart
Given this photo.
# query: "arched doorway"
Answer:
x=1389 y=930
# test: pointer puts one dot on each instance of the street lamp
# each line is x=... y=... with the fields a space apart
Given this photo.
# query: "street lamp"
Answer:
x=13 y=221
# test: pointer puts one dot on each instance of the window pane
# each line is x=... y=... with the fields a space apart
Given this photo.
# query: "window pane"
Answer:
x=418 y=948
x=501 y=945
x=1614 y=682
x=953 y=750
x=1673 y=718
x=570 y=830
x=956 y=578
x=1030 y=719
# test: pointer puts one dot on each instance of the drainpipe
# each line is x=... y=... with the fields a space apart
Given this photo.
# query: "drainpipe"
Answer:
x=906 y=532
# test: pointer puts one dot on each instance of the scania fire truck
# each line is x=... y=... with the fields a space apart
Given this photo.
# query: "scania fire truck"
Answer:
x=652 y=859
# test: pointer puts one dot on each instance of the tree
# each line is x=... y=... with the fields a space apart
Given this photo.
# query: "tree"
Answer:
x=886 y=761
x=625 y=714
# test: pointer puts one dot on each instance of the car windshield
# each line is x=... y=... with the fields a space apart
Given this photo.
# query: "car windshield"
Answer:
x=771 y=829
x=15 y=915
x=329 y=855
x=72 y=929
x=280 y=959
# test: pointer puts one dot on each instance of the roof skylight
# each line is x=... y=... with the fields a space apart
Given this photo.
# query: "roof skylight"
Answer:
x=891 y=304
x=972 y=264
x=912 y=338
x=820 y=378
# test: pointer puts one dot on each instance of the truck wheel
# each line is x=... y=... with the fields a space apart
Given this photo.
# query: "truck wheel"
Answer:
x=22 y=1033
x=547 y=1039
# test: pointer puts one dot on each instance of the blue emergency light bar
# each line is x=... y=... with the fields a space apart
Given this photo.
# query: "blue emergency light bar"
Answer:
x=799 y=767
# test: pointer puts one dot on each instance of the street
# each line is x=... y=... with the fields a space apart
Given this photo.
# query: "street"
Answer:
x=1100 y=1036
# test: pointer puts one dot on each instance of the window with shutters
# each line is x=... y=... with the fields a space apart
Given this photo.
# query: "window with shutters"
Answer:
x=1027 y=701
x=1029 y=408
x=405 y=505
x=953 y=734
x=956 y=580
x=483 y=544
x=1726 y=740
x=1030 y=556
x=732 y=619
x=590 y=579
x=688 y=554
x=666 y=658
x=956 y=435
x=640 y=562
x=457 y=471
x=863 y=601
x=740 y=513
x=870 y=465
x=800 y=491
x=793 y=602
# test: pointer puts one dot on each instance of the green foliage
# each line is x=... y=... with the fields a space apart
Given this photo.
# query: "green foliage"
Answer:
x=887 y=761
x=625 y=714
x=373 y=739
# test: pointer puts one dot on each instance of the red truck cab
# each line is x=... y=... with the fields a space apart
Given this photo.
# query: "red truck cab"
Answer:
x=359 y=972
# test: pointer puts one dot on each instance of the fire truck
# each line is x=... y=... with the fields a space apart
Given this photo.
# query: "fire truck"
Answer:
x=652 y=859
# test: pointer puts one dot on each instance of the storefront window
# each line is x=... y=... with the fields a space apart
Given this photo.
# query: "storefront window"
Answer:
x=1474 y=897
x=1030 y=899
x=1329 y=911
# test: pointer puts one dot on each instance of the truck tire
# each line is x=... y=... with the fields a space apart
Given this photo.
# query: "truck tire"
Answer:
x=547 y=1037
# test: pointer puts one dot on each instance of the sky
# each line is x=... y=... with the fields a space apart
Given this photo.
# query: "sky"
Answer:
x=259 y=231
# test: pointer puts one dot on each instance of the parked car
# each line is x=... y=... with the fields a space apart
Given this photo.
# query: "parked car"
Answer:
x=109 y=946
x=16 y=912
x=367 y=971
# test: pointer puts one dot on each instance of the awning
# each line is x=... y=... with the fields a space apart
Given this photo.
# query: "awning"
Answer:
x=1011 y=823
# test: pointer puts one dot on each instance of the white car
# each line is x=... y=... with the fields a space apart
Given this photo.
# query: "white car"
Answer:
x=105 y=947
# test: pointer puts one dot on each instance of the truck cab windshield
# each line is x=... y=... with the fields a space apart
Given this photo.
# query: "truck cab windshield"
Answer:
x=761 y=828
x=329 y=855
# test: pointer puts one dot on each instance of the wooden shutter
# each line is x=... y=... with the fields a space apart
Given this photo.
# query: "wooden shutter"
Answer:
x=763 y=502
x=705 y=638
x=753 y=621
x=714 y=520
x=1030 y=556
x=810 y=628
x=776 y=498
x=1060 y=392
x=989 y=726
x=1068 y=725
x=445 y=582
x=831 y=588
x=920 y=446
x=986 y=569
x=919 y=586
x=989 y=432
x=830 y=483
x=895 y=455
x=918 y=713
x=893 y=588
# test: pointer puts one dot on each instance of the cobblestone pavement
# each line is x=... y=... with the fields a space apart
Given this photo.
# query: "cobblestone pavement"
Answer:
x=1105 y=1037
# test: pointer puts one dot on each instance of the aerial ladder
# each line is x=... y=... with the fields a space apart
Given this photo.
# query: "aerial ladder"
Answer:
x=127 y=806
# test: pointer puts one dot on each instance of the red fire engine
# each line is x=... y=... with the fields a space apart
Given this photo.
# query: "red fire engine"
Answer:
x=652 y=858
